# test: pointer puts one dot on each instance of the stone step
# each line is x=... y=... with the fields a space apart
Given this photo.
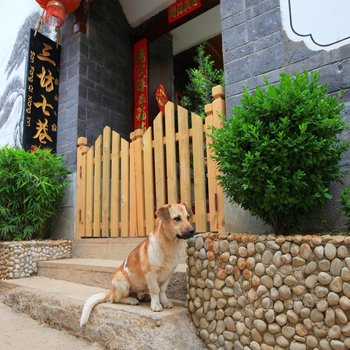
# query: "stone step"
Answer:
x=99 y=273
x=114 y=326
x=111 y=248
x=104 y=248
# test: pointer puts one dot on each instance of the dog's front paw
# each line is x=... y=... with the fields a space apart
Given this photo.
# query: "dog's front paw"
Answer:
x=156 y=307
x=167 y=304
x=133 y=301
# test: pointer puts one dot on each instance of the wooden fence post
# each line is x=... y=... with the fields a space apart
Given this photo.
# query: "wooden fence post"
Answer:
x=81 y=186
x=137 y=216
x=115 y=180
x=148 y=180
x=211 y=170
x=159 y=164
x=218 y=111
x=184 y=156
x=124 y=187
x=170 y=149
x=106 y=182
x=199 y=173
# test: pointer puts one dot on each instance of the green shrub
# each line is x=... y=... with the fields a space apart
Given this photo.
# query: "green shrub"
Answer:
x=345 y=201
x=31 y=186
x=198 y=91
x=279 y=151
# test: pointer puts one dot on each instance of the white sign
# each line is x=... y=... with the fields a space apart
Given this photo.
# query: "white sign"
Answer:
x=321 y=24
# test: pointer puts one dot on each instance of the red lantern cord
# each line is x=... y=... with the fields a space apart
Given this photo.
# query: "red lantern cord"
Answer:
x=56 y=10
x=55 y=13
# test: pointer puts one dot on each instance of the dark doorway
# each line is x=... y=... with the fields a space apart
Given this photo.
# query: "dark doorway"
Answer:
x=161 y=71
x=185 y=60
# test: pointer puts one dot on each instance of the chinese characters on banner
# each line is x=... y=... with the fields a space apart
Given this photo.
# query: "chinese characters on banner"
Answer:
x=181 y=8
x=161 y=98
x=41 y=102
x=141 y=84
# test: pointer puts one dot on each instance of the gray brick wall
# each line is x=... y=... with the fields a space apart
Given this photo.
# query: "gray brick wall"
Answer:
x=96 y=78
x=255 y=46
x=68 y=95
x=95 y=90
x=106 y=70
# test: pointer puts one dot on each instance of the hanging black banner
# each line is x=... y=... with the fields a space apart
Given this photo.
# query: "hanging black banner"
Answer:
x=41 y=101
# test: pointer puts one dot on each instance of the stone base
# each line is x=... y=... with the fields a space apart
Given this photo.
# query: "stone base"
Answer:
x=19 y=259
x=270 y=292
x=59 y=304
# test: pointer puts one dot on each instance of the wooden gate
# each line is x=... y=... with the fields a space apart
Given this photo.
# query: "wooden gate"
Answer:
x=120 y=184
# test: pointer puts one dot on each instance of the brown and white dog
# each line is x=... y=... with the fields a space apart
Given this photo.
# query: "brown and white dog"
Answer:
x=149 y=266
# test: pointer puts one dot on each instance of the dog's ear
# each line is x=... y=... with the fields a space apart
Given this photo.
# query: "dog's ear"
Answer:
x=189 y=210
x=163 y=213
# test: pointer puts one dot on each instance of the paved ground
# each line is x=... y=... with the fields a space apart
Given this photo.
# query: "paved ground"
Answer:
x=19 y=332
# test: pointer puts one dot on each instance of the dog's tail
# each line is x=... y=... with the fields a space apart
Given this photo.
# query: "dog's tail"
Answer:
x=89 y=305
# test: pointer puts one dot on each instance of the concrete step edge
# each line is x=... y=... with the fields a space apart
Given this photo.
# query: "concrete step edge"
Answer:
x=79 y=293
x=59 y=303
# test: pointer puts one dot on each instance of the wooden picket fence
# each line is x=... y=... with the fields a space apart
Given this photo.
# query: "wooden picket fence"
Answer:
x=120 y=184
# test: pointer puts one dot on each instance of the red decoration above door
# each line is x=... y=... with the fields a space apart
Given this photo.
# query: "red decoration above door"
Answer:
x=181 y=8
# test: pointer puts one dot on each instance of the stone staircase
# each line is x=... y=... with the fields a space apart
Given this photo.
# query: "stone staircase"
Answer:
x=57 y=294
x=114 y=326
x=99 y=273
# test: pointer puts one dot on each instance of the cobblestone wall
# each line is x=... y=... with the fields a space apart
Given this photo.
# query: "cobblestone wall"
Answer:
x=19 y=259
x=270 y=292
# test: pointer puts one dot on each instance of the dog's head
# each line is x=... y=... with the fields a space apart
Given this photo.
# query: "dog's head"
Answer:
x=176 y=220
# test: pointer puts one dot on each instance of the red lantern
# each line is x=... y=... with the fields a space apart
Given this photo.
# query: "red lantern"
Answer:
x=56 y=10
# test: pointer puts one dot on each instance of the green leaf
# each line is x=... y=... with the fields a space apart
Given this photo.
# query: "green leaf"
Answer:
x=31 y=188
x=280 y=149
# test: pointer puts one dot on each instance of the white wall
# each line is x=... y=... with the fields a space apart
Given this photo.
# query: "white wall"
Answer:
x=16 y=18
x=201 y=28
x=321 y=24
